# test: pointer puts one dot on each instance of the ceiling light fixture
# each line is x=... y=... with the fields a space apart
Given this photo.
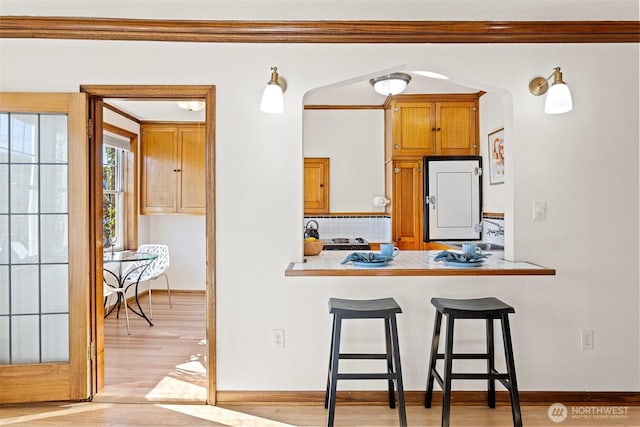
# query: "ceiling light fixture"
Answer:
x=191 y=105
x=390 y=84
x=558 y=99
x=273 y=96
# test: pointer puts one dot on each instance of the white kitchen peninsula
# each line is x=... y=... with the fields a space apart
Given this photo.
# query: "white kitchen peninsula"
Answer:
x=410 y=263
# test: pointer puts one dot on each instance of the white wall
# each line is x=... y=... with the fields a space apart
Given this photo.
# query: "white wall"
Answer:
x=492 y=117
x=185 y=236
x=584 y=164
x=354 y=142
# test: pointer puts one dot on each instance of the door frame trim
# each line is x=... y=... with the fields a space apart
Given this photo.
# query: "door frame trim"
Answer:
x=207 y=94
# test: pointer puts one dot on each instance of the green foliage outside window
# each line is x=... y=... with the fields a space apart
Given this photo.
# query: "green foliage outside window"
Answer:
x=109 y=184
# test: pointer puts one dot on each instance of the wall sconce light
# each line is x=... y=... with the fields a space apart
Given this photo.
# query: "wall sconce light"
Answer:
x=558 y=99
x=191 y=105
x=273 y=95
x=391 y=84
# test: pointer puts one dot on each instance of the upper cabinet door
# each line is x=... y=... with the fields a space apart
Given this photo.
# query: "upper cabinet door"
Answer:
x=44 y=248
x=456 y=124
x=453 y=198
x=191 y=178
x=414 y=127
x=316 y=185
x=158 y=169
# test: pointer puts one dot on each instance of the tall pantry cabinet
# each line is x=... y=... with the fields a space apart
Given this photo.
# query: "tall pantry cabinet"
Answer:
x=418 y=126
x=172 y=168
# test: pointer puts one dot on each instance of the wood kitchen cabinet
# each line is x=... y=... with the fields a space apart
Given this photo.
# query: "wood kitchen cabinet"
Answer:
x=418 y=126
x=172 y=168
x=316 y=185
x=427 y=125
x=404 y=189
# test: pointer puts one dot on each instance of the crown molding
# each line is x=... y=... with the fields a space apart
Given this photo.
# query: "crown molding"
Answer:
x=320 y=31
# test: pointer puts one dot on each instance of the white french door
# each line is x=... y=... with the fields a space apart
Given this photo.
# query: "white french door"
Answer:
x=44 y=248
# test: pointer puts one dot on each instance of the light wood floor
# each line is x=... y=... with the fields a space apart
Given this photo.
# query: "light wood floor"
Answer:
x=160 y=363
x=154 y=376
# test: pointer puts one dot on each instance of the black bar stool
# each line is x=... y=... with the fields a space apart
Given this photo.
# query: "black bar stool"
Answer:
x=481 y=308
x=385 y=308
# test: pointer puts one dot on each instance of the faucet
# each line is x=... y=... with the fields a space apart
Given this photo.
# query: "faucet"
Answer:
x=496 y=232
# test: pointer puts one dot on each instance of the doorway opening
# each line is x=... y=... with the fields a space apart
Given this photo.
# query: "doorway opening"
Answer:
x=99 y=96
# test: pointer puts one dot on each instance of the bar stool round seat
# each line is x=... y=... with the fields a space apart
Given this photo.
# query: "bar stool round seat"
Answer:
x=488 y=309
x=386 y=309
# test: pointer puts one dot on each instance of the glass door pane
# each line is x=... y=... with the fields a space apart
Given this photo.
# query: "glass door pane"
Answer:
x=34 y=229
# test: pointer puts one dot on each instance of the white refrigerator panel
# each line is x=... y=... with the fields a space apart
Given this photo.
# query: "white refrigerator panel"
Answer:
x=453 y=199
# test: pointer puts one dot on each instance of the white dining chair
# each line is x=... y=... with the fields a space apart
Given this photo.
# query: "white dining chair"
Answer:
x=156 y=269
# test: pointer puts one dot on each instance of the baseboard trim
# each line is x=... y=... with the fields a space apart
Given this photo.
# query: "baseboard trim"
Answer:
x=465 y=398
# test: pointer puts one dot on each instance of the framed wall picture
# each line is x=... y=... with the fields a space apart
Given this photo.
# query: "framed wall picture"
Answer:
x=496 y=157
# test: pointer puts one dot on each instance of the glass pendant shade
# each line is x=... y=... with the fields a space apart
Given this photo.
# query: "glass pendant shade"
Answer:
x=272 y=99
x=558 y=99
x=391 y=84
x=390 y=87
x=191 y=105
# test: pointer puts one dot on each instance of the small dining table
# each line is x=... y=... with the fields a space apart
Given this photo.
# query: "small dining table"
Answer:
x=123 y=275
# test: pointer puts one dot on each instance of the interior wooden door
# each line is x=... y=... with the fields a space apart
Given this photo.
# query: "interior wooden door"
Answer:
x=44 y=248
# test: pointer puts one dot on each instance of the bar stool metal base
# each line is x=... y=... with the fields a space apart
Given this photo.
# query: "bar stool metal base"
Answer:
x=481 y=308
x=385 y=309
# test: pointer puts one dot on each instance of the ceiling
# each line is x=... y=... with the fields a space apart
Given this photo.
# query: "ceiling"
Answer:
x=355 y=91
x=165 y=111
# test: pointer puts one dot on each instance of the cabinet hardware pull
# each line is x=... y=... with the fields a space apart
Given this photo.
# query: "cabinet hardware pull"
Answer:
x=177 y=170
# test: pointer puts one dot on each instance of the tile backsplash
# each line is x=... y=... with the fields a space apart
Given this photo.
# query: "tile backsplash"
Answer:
x=370 y=228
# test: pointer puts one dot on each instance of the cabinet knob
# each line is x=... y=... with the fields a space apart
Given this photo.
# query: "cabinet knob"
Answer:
x=418 y=170
x=396 y=146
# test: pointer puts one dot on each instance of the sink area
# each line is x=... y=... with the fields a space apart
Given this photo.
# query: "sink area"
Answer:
x=496 y=250
x=484 y=246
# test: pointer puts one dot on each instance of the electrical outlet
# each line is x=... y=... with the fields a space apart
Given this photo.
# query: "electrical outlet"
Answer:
x=587 y=339
x=539 y=210
x=277 y=338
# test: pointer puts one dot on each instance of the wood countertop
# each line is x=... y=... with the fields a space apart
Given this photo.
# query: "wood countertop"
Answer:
x=411 y=263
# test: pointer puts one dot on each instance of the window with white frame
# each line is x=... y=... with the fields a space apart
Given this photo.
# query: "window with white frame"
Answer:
x=113 y=206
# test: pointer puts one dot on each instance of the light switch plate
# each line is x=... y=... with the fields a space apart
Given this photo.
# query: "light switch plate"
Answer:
x=539 y=210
